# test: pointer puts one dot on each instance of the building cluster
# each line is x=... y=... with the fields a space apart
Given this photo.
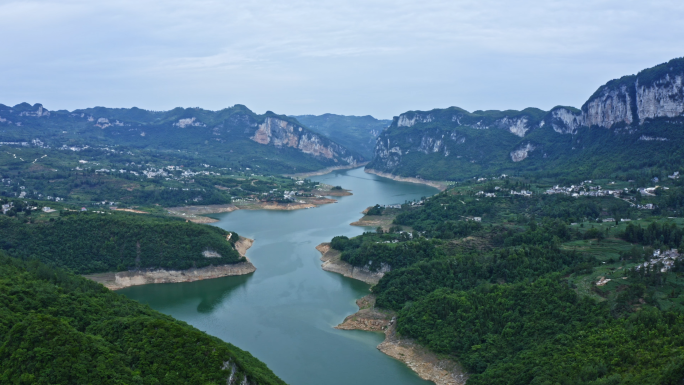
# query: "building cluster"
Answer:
x=162 y=172
x=74 y=148
x=666 y=259
x=392 y=206
x=525 y=193
x=583 y=189
x=289 y=195
x=7 y=207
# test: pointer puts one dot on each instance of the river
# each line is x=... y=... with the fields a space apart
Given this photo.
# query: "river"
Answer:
x=284 y=313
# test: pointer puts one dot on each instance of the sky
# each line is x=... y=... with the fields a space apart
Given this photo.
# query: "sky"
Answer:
x=370 y=57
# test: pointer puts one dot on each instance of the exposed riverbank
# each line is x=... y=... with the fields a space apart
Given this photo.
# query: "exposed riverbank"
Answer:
x=120 y=280
x=383 y=220
x=196 y=213
x=333 y=263
x=432 y=183
x=326 y=170
x=430 y=367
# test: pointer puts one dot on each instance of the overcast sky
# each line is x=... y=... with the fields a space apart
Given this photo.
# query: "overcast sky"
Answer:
x=376 y=57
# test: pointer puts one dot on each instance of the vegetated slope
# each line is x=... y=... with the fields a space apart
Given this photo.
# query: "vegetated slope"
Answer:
x=58 y=328
x=125 y=176
x=90 y=242
x=354 y=132
x=507 y=286
x=631 y=123
x=233 y=137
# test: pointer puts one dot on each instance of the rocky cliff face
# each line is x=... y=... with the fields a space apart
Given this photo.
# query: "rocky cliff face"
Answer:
x=610 y=106
x=408 y=120
x=564 y=120
x=282 y=133
x=662 y=98
x=417 y=142
x=652 y=93
x=517 y=124
x=522 y=152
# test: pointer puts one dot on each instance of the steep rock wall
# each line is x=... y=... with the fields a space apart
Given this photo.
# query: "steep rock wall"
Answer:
x=282 y=133
x=564 y=120
x=663 y=98
x=612 y=105
x=653 y=93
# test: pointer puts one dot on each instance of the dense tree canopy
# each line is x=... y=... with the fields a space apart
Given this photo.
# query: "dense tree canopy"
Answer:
x=56 y=327
x=92 y=242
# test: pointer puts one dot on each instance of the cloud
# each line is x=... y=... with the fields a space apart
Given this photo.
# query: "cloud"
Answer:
x=354 y=57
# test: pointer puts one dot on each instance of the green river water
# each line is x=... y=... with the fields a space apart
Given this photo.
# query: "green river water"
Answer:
x=284 y=313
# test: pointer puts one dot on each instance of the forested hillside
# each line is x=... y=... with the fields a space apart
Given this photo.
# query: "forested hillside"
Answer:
x=96 y=242
x=631 y=124
x=58 y=328
x=234 y=137
x=524 y=283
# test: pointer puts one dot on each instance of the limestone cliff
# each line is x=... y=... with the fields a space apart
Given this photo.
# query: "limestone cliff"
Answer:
x=564 y=120
x=662 y=98
x=454 y=143
x=610 y=105
x=282 y=133
x=652 y=93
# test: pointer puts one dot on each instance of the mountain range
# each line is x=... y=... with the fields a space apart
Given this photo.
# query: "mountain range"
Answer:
x=636 y=114
x=232 y=137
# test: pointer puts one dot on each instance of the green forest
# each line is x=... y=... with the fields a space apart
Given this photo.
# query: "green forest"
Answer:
x=536 y=289
x=96 y=242
x=59 y=328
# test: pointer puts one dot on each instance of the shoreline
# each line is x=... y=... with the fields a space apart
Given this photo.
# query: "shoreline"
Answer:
x=428 y=366
x=332 y=263
x=384 y=220
x=432 y=183
x=124 y=279
x=196 y=213
x=326 y=170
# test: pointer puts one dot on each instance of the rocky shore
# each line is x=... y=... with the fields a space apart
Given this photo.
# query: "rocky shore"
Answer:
x=333 y=263
x=115 y=281
x=196 y=213
x=429 y=366
x=436 y=184
x=384 y=220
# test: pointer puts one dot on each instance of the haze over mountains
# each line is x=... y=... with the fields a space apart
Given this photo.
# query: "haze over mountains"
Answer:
x=641 y=112
x=357 y=132
x=233 y=137
x=634 y=114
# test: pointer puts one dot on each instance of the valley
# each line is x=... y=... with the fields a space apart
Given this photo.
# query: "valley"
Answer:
x=442 y=246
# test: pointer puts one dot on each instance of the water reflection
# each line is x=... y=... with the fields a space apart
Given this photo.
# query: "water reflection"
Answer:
x=208 y=294
x=284 y=313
